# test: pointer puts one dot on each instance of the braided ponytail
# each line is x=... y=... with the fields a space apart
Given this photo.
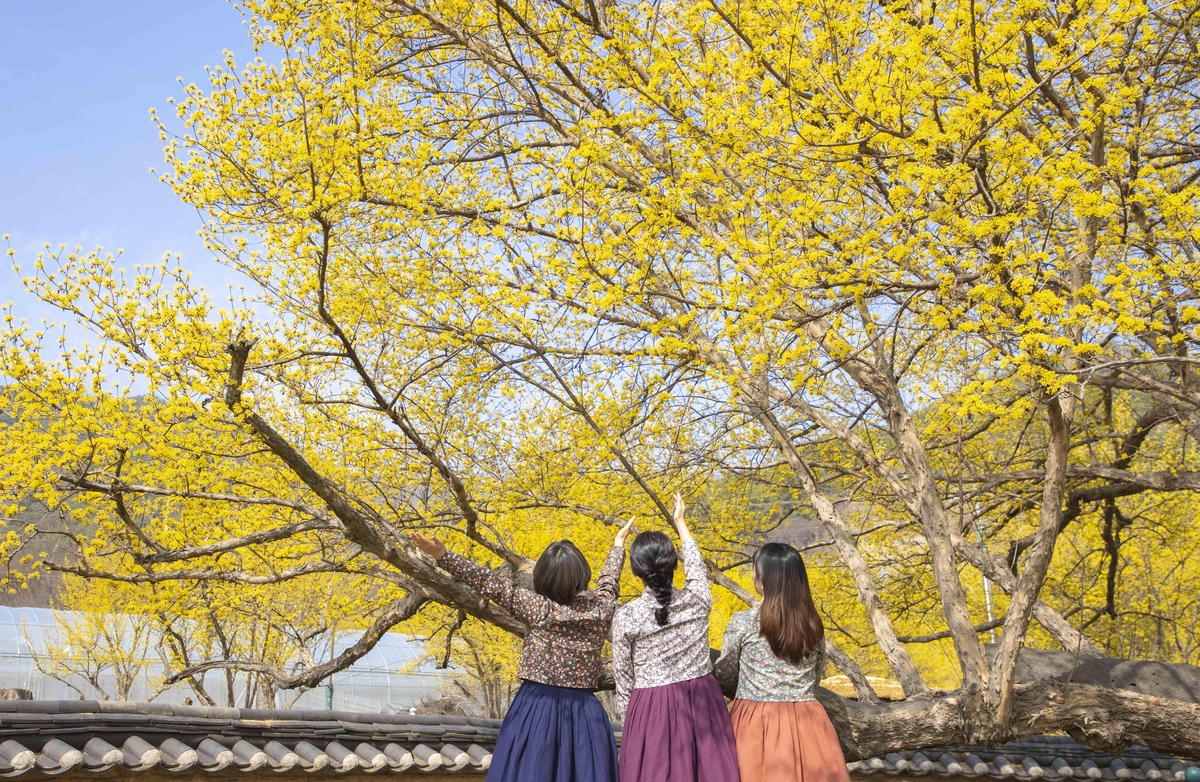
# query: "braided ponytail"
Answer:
x=653 y=559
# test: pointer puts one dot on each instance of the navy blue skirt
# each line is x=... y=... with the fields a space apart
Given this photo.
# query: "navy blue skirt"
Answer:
x=554 y=734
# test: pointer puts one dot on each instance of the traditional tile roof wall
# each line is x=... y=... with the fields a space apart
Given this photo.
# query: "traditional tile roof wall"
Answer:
x=88 y=738
x=1040 y=757
x=55 y=737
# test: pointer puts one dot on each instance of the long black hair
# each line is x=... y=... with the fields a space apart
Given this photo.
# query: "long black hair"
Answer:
x=788 y=618
x=561 y=572
x=653 y=559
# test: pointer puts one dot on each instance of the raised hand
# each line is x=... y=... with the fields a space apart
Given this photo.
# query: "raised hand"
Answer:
x=431 y=546
x=677 y=516
x=624 y=532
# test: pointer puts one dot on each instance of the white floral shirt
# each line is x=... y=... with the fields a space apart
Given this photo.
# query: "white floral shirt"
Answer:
x=647 y=655
x=760 y=675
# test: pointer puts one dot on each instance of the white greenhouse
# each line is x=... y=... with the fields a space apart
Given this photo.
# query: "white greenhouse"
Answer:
x=390 y=678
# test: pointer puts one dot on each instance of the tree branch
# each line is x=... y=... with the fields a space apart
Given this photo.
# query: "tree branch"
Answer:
x=357 y=525
x=395 y=612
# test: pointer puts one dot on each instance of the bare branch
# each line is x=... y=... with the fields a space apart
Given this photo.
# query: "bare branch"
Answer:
x=395 y=612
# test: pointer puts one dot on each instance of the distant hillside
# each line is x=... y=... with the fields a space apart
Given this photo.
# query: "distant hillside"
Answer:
x=801 y=530
x=41 y=591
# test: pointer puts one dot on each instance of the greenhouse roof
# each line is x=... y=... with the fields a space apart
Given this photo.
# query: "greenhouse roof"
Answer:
x=26 y=630
x=394 y=675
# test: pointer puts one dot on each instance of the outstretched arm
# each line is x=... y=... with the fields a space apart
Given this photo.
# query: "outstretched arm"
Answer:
x=679 y=518
x=529 y=607
x=695 y=574
x=608 y=583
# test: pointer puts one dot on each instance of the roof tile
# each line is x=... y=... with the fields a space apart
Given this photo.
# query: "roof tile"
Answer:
x=55 y=737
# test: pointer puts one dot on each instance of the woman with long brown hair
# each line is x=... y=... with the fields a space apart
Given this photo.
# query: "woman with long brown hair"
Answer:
x=777 y=650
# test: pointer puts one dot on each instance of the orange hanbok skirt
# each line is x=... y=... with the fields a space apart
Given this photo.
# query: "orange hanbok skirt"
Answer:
x=786 y=742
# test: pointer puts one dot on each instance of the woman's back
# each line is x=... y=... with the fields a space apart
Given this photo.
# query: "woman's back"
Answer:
x=562 y=647
x=761 y=675
x=646 y=654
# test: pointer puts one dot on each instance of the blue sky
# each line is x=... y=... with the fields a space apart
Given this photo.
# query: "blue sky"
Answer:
x=77 y=79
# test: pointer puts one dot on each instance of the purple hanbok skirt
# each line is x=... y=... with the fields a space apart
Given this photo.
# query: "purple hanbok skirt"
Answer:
x=679 y=732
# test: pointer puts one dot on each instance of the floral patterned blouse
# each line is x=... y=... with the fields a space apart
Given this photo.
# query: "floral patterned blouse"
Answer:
x=647 y=655
x=562 y=647
x=761 y=676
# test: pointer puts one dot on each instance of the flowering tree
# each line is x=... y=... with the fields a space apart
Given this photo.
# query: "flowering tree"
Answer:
x=521 y=268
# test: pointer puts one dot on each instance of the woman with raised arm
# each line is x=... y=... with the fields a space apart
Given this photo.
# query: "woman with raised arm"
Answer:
x=677 y=727
x=555 y=730
x=777 y=650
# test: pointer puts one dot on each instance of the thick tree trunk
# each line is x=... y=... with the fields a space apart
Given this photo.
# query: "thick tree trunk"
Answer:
x=1020 y=609
x=1104 y=718
x=879 y=381
x=1107 y=703
x=992 y=567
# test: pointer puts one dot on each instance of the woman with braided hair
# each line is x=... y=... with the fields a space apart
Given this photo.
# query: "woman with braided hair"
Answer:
x=677 y=727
